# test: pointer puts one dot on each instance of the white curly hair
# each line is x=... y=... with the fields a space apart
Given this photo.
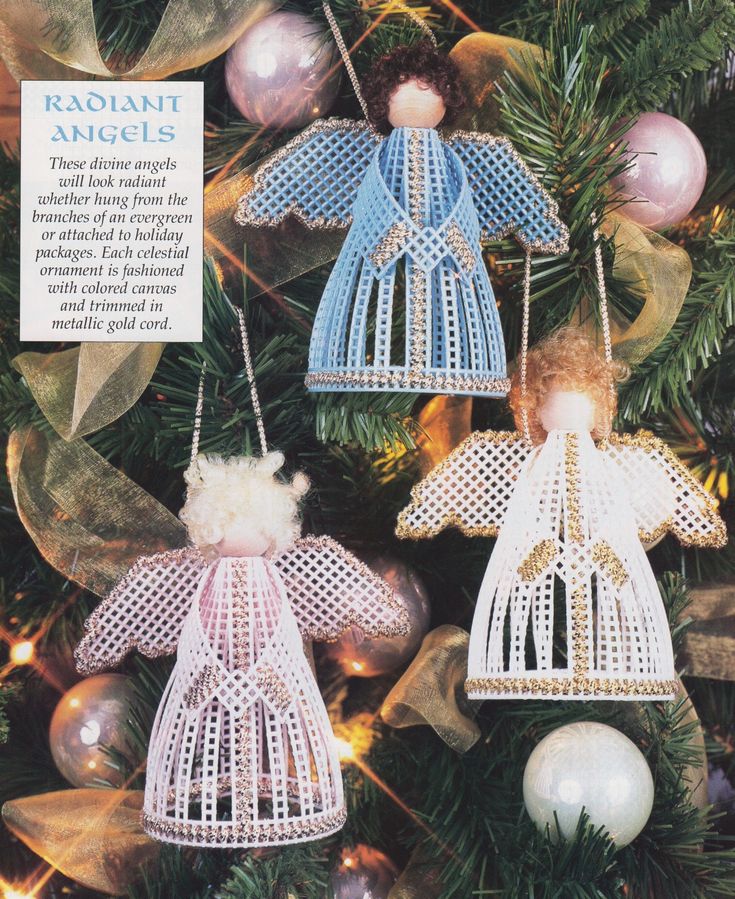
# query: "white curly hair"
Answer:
x=220 y=491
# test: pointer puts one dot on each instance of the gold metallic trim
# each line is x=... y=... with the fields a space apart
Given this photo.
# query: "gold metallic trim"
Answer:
x=588 y=687
x=538 y=560
x=390 y=244
x=241 y=834
x=608 y=562
x=417 y=289
x=406 y=380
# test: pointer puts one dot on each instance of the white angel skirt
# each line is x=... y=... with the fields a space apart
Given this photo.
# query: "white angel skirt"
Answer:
x=569 y=607
x=242 y=751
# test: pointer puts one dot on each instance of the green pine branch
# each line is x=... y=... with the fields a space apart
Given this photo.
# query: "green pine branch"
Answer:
x=691 y=38
x=662 y=379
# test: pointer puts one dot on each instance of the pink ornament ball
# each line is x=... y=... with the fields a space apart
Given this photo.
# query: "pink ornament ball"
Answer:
x=282 y=71
x=667 y=174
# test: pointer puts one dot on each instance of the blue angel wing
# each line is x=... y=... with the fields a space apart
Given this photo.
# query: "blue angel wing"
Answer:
x=314 y=177
x=507 y=195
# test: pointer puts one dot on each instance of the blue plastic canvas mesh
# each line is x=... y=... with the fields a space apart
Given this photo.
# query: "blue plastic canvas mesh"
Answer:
x=418 y=207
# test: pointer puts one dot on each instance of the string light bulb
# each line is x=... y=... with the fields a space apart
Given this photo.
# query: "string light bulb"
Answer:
x=22 y=653
x=11 y=893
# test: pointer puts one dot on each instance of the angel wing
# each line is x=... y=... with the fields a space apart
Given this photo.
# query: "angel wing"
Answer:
x=469 y=490
x=330 y=589
x=314 y=177
x=664 y=494
x=507 y=195
x=144 y=611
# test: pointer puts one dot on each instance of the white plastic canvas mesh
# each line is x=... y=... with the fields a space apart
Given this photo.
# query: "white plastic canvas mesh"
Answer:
x=145 y=611
x=242 y=751
x=569 y=606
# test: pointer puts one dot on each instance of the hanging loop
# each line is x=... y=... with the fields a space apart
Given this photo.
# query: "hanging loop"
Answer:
x=345 y=54
x=254 y=398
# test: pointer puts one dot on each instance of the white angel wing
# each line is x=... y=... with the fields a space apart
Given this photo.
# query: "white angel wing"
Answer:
x=144 y=611
x=469 y=490
x=664 y=494
x=330 y=589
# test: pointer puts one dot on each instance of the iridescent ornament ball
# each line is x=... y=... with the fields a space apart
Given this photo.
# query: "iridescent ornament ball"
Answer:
x=667 y=171
x=588 y=766
x=92 y=714
x=282 y=71
x=363 y=873
x=361 y=656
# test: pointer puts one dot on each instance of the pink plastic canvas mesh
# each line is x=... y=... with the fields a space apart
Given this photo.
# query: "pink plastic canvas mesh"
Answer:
x=242 y=751
x=568 y=566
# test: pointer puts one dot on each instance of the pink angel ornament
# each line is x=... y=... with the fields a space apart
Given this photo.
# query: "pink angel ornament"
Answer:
x=242 y=752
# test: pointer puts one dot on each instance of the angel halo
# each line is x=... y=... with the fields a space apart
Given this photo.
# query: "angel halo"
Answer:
x=408 y=305
x=242 y=751
x=568 y=607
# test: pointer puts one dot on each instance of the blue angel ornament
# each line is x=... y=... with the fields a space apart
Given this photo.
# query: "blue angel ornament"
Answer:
x=419 y=203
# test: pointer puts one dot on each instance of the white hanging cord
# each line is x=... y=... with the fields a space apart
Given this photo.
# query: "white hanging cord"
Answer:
x=344 y=53
x=250 y=372
x=524 y=346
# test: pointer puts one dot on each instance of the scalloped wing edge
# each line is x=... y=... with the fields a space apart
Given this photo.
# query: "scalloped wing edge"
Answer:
x=94 y=625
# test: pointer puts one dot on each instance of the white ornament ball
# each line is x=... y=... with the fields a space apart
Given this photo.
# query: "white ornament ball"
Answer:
x=282 y=71
x=593 y=767
x=667 y=172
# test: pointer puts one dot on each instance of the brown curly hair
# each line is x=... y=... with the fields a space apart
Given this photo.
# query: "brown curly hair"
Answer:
x=422 y=62
x=568 y=359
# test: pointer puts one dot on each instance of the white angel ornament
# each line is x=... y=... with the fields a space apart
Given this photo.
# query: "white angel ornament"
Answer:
x=242 y=751
x=569 y=607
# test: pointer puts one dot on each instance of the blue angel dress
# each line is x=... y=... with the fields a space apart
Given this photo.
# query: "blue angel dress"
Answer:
x=408 y=305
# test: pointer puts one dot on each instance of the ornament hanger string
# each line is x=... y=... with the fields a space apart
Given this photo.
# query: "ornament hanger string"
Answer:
x=345 y=54
x=604 y=321
x=254 y=398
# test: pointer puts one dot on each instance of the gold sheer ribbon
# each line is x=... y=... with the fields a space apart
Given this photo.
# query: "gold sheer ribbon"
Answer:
x=421 y=877
x=57 y=39
x=432 y=690
x=87 y=519
x=92 y=836
x=83 y=389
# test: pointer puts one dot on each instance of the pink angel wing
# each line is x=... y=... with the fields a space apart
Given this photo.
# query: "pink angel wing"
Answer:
x=469 y=490
x=664 y=494
x=330 y=589
x=144 y=611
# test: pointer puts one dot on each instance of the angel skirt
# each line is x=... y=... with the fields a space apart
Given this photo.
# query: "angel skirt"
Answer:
x=242 y=751
x=569 y=606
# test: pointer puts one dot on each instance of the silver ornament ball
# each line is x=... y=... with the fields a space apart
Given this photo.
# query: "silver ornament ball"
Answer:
x=282 y=71
x=594 y=767
x=361 y=656
x=90 y=715
x=363 y=873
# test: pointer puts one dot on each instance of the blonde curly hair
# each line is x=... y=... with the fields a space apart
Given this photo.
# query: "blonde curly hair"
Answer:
x=568 y=359
x=223 y=490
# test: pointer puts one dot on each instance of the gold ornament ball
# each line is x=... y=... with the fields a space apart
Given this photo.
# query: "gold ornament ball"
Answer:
x=92 y=714
x=363 y=873
x=360 y=656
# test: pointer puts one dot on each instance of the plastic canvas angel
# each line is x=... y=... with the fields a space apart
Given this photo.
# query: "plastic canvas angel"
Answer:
x=419 y=203
x=242 y=752
x=569 y=607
